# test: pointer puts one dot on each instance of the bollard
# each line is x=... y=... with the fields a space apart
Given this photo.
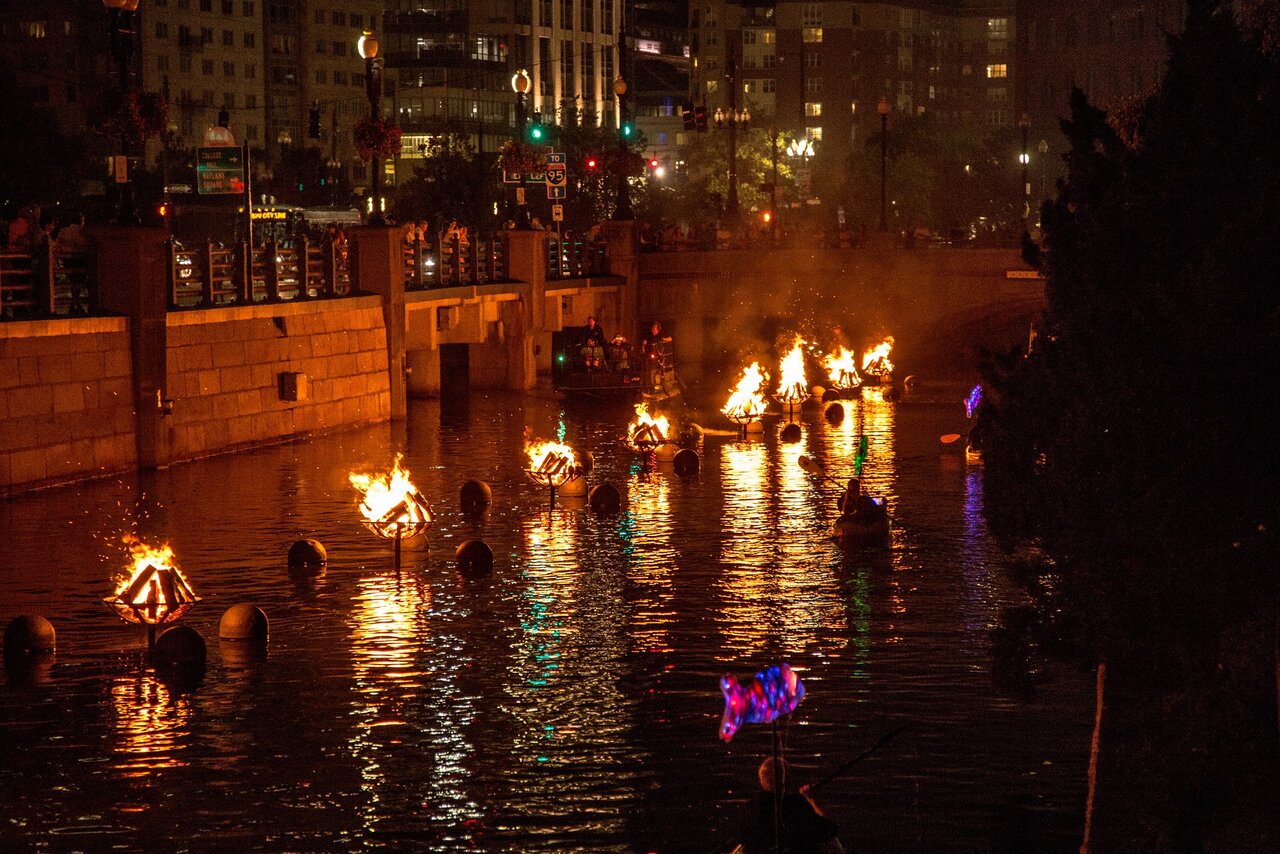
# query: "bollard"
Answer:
x=473 y=558
x=243 y=622
x=687 y=462
x=476 y=496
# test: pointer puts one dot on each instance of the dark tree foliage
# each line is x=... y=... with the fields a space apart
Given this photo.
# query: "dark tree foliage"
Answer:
x=1137 y=439
x=454 y=183
x=41 y=163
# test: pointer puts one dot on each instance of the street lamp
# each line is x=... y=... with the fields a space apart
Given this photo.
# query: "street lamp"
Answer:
x=1043 y=148
x=520 y=84
x=121 y=27
x=622 y=209
x=732 y=118
x=334 y=165
x=883 y=109
x=1024 y=122
x=368 y=47
x=801 y=149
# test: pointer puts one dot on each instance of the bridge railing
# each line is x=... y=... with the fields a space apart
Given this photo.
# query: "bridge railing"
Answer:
x=571 y=257
x=46 y=282
x=215 y=274
x=445 y=261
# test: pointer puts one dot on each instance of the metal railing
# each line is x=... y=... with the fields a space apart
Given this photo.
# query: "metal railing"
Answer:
x=46 y=282
x=213 y=274
x=570 y=257
x=451 y=262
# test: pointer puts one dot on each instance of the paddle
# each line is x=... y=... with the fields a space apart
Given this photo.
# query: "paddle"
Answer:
x=811 y=466
x=948 y=438
x=880 y=742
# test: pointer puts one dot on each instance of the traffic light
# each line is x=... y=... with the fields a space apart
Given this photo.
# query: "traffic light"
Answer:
x=628 y=129
x=537 y=133
x=163 y=210
x=653 y=163
x=313 y=124
x=700 y=119
x=686 y=113
x=593 y=163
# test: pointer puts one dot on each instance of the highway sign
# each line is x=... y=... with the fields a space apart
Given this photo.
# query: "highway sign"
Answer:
x=219 y=170
x=555 y=157
x=557 y=176
x=554 y=192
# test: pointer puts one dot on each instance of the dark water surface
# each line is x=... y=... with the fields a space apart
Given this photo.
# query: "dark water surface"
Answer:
x=569 y=703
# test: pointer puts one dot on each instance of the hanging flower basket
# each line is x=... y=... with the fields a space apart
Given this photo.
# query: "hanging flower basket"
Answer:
x=517 y=158
x=139 y=115
x=376 y=138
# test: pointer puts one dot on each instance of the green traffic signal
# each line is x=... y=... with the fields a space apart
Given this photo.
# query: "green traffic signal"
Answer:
x=628 y=130
x=536 y=133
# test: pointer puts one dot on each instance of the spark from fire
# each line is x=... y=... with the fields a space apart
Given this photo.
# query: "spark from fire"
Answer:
x=793 y=387
x=746 y=403
x=842 y=368
x=876 y=362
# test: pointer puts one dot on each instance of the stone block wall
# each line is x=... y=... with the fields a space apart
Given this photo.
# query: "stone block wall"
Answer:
x=224 y=368
x=66 y=401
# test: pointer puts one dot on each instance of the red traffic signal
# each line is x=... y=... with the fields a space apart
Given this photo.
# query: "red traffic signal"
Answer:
x=592 y=163
x=653 y=164
x=163 y=210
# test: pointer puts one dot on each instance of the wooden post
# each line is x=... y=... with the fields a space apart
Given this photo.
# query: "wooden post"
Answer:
x=302 y=254
x=329 y=268
x=271 y=267
x=206 y=283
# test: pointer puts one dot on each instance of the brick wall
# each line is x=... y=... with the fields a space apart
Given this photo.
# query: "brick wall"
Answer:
x=224 y=367
x=66 y=401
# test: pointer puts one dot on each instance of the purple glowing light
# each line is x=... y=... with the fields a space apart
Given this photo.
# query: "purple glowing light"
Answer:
x=773 y=693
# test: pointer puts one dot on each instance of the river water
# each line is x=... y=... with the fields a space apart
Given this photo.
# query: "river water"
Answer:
x=571 y=702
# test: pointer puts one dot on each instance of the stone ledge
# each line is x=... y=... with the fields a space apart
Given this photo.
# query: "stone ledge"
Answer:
x=62 y=326
x=224 y=314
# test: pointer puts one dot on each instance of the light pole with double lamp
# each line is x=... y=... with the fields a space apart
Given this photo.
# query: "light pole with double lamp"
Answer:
x=368 y=46
x=1024 y=122
x=122 y=28
x=883 y=109
x=520 y=84
x=622 y=210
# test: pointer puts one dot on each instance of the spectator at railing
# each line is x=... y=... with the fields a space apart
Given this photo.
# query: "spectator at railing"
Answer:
x=22 y=229
x=71 y=240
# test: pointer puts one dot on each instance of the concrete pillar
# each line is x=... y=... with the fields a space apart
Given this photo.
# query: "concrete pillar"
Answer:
x=131 y=281
x=424 y=372
x=622 y=253
x=522 y=371
x=377 y=267
x=527 y=262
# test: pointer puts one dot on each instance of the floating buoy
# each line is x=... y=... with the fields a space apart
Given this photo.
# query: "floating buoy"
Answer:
x=28 y=635
x=687 y=462
x=573 y=487
x=665 y=453
x=892 y=392
x=473 y=558
x=835 y=413
x=830 y=395
x=307 y=557
x=586 y=463
x=243 y=622
x=755 y=427
x=476 y=496
x=605 y=498
x=791 y=433
x=818 y=392
x=181 y=648
x=690 y=435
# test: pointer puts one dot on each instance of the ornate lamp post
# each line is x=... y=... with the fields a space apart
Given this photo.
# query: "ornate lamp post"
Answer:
x=1043 y=148
x=520 y=84
x=883 y=109
x=121 y=26
x=622 y=210
x=334 y=166
x=732 y=118
x=802 y=150
x=1024 y=122
x=368 y=46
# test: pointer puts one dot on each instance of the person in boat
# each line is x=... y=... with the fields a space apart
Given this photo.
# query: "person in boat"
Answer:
x=655 y=342
x=592 y=345
x=804 y=829
x=854 y=502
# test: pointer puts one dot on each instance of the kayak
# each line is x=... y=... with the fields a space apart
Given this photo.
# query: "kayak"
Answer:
x=855 y=531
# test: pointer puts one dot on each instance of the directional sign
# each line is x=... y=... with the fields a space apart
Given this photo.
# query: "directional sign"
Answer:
x=557 y=213
x=219 y=170
x=555 y=157
x=554 y=192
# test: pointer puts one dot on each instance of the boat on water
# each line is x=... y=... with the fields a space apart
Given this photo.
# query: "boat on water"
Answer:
x=861 y=530
x=972 y=455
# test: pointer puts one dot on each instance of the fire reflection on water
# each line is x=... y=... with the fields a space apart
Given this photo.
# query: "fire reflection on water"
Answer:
x=651 y=560
x=151 y=724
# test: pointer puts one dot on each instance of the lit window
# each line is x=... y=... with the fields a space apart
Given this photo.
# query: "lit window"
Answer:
x=768 y=37
x=813 y=108
x=814 y=134
x=811 y=35
x=1000 y=69
x=997 y=28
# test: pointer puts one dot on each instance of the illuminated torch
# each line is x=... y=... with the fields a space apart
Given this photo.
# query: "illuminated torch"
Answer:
x=875 y=362
x=155 y=592
x=793 y=388
x=647 y=432
x=391 y=506
x=746 y=403
x=551 y=464
x=842 y=369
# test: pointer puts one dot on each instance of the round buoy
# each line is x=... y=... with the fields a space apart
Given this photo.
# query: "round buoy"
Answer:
x=573 y=487
x=665 y=452
x=29 y=634
x=307 y=557
x=791 y=433
x=243 y=622
x=473 y=558
x=690 y=435
x=180 y=648
x=687 y=462
x=892 y=392
x=476 y=496
x=605 y=498
x=817 y=391
x=909 y=383
x=586 y=463
x=830 y=395
x=835 y=413
x=755 y=427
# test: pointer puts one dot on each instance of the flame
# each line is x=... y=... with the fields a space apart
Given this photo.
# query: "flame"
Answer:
x=876 y=360
x=390 y=503
x=647 y=431
x=746 y=403
x=842 y=368
x=155 y=591
x=551 y=463
x=793 y=388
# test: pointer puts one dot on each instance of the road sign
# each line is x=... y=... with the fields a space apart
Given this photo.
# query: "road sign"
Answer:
x=557 y=175
x=554 y=192
x=219 y=170
x=557 y=213
x=555 y=157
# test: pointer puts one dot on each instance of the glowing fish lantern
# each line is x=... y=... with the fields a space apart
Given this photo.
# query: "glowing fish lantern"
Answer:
x=973 y=401
x=773 y=693
x=860 y=458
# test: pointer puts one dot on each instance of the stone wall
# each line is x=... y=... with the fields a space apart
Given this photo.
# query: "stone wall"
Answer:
x=225 y=367
x=66 y=401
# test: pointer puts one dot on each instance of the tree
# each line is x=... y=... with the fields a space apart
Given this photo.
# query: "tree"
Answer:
x=453 y=183
x=1134 y=444
x=40 y=163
